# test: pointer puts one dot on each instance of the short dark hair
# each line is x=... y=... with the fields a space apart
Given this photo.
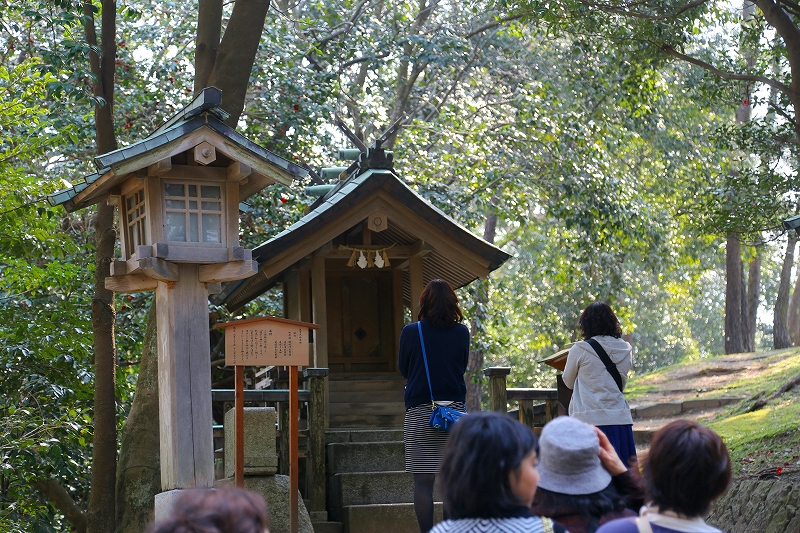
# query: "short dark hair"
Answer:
x=438 y=304
x=599 y=319
x=687 y=468
x=226 y=510
x=589 y=507
x=483 y=450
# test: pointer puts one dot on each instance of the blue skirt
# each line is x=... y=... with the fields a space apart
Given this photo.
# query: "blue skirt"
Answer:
x=621 y=438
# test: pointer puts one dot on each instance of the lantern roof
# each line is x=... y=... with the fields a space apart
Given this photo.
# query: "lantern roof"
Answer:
x=200 y=121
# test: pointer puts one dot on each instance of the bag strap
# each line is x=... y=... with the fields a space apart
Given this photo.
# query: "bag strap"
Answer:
x=643 y=525
x=425 y=360
x=611 y=367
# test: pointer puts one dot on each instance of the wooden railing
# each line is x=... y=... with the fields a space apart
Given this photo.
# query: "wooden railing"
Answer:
x=312 y=439
x=536 y=406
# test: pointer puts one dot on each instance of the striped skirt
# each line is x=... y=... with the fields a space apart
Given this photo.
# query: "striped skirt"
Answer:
x=423 y=444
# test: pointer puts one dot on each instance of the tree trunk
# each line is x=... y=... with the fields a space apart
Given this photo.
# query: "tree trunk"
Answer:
x=209 y=28
x=139 y=472
x=101 y=513
x=474 y=378
x=780 y=324
x=734 y=340
x=753 y=294
x=794 y=313
x=745 y=319
x=237 y=51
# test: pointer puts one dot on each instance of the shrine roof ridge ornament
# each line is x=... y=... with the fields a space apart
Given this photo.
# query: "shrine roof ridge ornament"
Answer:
x=203 y=112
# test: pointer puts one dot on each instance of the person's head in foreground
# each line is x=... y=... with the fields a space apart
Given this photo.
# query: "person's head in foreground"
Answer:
x=573 y=481
x=686 y=469
x=489 y=467
x=226 y=510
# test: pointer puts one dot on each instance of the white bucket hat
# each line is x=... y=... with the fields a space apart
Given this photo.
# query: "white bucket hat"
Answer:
x=569 y=460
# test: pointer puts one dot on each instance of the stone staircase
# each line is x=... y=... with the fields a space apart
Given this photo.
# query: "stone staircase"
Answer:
x=368 y=490
x=649 y=418
x=366 y=400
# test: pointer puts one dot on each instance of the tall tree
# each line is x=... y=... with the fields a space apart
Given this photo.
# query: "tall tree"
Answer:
x=780 y=328
x=101 y=513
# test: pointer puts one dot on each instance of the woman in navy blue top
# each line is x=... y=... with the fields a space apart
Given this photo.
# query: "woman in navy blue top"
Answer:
x=447 y=349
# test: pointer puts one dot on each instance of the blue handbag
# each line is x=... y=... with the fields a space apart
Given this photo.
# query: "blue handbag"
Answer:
x=442 y=417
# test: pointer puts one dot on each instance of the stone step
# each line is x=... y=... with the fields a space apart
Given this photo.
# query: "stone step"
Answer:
x=344 y=457
x=363 y=435
x=327 y=527
x=366 y=488
x=676 y=408
x=372 y=408
x=368 y=396
x=366 y=421
x=384 y=518
x=397 y=385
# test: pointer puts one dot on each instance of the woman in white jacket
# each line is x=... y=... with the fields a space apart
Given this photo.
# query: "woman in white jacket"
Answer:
x=596 y=396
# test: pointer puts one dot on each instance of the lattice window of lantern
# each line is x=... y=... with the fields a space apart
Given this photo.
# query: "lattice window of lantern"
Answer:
x=136 y=221
x=193 y=212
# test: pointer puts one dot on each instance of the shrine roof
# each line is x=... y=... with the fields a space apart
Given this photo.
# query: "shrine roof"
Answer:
x=351 y=201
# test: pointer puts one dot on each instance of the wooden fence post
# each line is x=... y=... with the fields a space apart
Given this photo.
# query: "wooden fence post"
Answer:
x=316 y=437
x=526 y=412
x=498 y=400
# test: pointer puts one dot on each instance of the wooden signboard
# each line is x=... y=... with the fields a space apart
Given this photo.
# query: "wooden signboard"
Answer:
x=268 y=341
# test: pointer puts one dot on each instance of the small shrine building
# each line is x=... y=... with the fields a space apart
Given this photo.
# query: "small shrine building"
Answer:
x=355 y=264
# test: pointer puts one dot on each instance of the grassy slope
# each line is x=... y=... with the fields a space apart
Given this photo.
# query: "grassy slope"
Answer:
x=759 y=441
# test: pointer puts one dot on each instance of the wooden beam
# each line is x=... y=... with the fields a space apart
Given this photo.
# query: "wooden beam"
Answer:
x=159 y=269
x=320 y=311
x=130 y=283
x=131 y=185
x=304 y=302
x=184 y=377
x=231 y=214
x=291 y=296
x=214 y=288
x=239 y=253
x=154 y=194
x=119 y=268
x=237 y=171
x=397 y=307
x=415 y=281
x=160 y=167
x=193 y=253
x=196 y=172
x=219 y=272
x=418 y=249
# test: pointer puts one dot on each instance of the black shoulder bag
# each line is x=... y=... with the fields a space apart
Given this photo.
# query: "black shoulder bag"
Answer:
x=611 y=367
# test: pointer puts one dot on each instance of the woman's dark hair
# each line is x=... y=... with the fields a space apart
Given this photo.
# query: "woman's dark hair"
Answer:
x=687 y=468
x=483 y=450
x=589 y=507
x=438 y=304
x=599 y=319
x=227 y=510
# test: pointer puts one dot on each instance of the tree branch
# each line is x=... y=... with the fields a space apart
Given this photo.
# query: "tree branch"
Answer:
x=53 y=490
x=493 y=24
x=782 y=112
x=724 y=74
x=617 y=10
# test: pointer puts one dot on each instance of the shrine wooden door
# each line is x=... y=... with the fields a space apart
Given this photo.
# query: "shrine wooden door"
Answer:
x=360 y=322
